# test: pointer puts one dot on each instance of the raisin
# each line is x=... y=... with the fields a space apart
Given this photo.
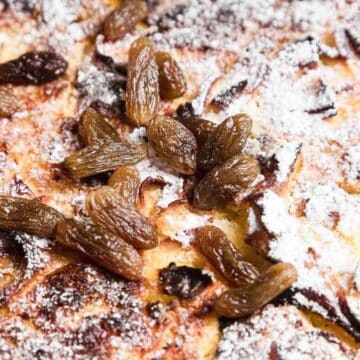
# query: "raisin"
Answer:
x=124 y=19
x=173 y=143
x=172 y=82
x=94 y=129
x=227 y=140
x=108 y=210
x=225 y=181
x=183 y=281
x=33 y=68
x=126 y=180
x=244 y=301
x=29 y=216
x=142 y=87
x=199 y=127
x=104 y=248
x=97 y=159
x=221 y=252
x=8 y=102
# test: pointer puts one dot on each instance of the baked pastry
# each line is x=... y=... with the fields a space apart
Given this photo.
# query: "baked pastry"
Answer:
x=109 y=116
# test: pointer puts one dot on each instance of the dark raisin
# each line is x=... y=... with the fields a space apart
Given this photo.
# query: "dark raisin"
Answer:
x=102 y=247
x=183 y=281
x=142 y=87
x=171 y=78
x=124 y=19
x=173 y=143
x=227 y=140
x=244 y=301
x=33 y=68
x=225 y=181
x=221 y=252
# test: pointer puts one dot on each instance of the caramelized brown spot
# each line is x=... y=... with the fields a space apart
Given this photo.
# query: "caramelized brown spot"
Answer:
x=183 y=281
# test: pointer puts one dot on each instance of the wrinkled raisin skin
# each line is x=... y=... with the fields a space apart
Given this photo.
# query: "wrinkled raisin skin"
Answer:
x=29 y=216
x=221 y=252
x=33 y=68
x=104 y=248
x=199 y=127
x=142 y=87
x=94 y=129
x=126 y=180
x=108 y=210
x=173 y=143
x=183 y=281
x=227 y=140
x=124 y=19
x=225 y=181
x=244 y=301
x=97 y=159
x=171 y=78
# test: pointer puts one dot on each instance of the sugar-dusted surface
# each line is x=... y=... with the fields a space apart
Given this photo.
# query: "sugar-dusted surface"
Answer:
x=279 y=333
x=302 y=83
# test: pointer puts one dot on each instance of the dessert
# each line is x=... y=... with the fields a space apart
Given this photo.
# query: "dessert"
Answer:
x=179 y=179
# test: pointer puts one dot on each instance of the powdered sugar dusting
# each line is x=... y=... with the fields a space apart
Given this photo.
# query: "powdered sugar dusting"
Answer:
x=294 y=98
x=310 y=245
x=174 y=184
x=153 y=168
x=279 y=333
x=98 y=85
x=36 y=251
x=351 y=164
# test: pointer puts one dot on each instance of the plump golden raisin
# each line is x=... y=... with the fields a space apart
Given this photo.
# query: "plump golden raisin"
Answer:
x=124 y=19
x=173 y=143
x=8 y=102
x=94 y=129
x=225 y=181
x=29 y=216
x=97 y=159
x=102 y=247
x=224 y=256
x=243 y=301
x=33 y=68
x=142 y=87
x=108 y=210
x=172 y=81
x=227 y=140
x=199 y=127
x=126 y=180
